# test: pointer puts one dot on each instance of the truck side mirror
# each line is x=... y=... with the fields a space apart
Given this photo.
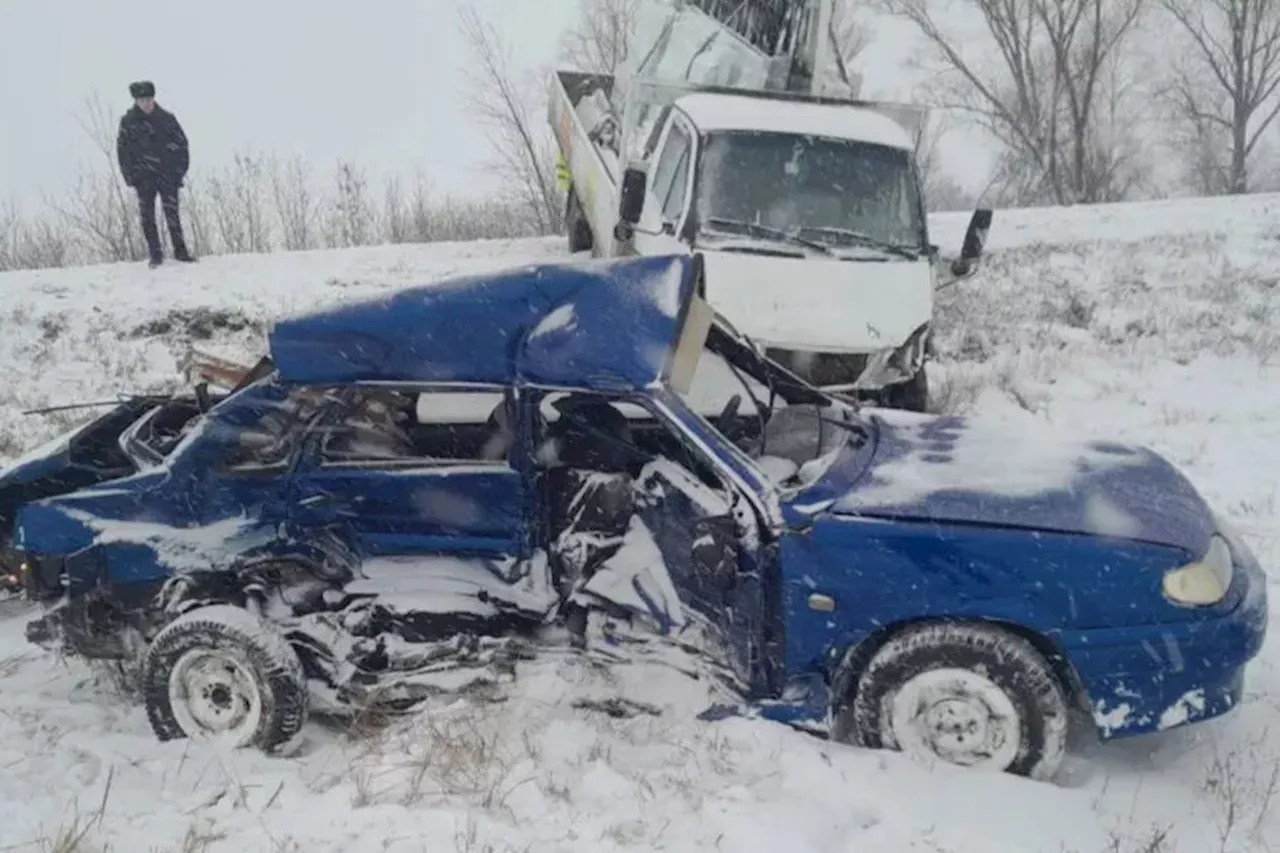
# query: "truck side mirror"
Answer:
x=975 y=240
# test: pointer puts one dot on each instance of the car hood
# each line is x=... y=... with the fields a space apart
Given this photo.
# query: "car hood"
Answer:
x=956 y=471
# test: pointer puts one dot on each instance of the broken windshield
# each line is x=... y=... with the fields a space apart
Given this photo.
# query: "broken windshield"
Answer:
x=851 y=198
x=789 y=429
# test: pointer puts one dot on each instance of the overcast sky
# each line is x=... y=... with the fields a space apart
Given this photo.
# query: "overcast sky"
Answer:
x=382 y=85
x=378 y=81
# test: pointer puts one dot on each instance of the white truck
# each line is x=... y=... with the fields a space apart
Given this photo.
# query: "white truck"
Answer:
x=807 y=209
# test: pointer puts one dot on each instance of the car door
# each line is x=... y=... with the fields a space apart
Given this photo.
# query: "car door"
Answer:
x=693 y=539
x=668 y=192
x=708 y=540
x=417 y=480
x=242 y=461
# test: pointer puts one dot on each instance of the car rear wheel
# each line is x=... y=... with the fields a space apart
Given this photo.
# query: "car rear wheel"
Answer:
x=970 y=695
x=220 y=673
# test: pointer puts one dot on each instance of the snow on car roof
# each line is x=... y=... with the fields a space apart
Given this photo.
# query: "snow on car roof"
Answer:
x=597 y=325
x=711 y=112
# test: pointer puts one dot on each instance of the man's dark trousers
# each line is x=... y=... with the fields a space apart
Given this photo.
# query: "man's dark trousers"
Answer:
x=168 y=194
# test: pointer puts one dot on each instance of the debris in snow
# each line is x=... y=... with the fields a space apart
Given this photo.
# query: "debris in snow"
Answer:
x=618 y=707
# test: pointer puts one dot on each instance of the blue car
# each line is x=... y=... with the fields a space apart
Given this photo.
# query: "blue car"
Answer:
x=422 y=488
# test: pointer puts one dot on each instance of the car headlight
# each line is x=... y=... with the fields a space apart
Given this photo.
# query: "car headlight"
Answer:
x=1203 y=582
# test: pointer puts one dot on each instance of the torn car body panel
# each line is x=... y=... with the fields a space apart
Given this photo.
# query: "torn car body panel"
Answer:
x=609 y=328
x=420 y=489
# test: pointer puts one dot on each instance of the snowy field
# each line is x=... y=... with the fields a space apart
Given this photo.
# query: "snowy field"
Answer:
x=1154 y=323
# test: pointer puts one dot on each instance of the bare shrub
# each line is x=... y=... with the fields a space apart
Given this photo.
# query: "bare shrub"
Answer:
x=1243 y=782
x=31 y=243
x=350 y=217
x=236 y=201
x=75 y=835
x=465 y=751
x=294 y=199
x=197 y=224
x=99 y=210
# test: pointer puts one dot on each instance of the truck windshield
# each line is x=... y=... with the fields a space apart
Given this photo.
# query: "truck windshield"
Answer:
x=802 y=190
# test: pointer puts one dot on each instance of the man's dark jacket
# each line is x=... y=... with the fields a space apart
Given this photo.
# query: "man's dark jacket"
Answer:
x=152 y=149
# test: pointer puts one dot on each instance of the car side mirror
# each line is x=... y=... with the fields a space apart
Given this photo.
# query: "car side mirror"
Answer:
x=715 y=550
x=631 y=201
x=975 y=240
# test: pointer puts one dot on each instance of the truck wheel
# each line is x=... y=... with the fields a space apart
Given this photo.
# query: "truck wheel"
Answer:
x=220 y=673
x=970 y=695
x=912 y=395
x=580 y=239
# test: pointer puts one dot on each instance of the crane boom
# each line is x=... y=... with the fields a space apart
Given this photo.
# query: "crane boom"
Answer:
x=786 y=45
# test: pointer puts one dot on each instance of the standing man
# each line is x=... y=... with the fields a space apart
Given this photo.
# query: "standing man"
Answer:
x=154 y=157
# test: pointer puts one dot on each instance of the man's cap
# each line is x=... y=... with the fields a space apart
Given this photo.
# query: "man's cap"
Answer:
x=142 y=89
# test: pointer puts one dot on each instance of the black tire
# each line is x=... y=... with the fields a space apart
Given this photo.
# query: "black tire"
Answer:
x=580 y=238
x=1016 y=678
x=912 y=395
x=245 y=658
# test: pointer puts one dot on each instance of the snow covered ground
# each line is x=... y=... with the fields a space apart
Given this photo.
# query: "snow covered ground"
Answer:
x=1155 y=323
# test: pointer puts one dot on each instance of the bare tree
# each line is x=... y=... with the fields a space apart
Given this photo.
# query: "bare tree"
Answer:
x=1048 y=92
x=850 y=30
x=940 y=189
x=600 y=41
x=1227 y=86
x=524 y=152
x=103 y=216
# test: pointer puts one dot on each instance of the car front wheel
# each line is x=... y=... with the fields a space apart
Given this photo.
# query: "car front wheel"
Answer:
x=220 y=673
x=965 y=694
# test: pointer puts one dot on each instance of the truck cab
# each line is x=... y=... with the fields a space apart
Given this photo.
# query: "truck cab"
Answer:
x=759 y=185
x=805 y=205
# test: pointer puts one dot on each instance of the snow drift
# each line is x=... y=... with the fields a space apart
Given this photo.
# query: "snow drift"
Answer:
x=1148 y=323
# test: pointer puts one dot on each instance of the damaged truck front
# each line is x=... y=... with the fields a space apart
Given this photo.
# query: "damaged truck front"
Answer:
x=429 y=488
x=804 y=202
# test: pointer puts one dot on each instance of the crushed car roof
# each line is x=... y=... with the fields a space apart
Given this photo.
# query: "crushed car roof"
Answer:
x=607 y=325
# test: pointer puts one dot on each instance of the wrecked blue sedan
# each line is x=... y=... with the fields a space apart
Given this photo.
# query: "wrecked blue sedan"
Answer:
x=416 y=487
